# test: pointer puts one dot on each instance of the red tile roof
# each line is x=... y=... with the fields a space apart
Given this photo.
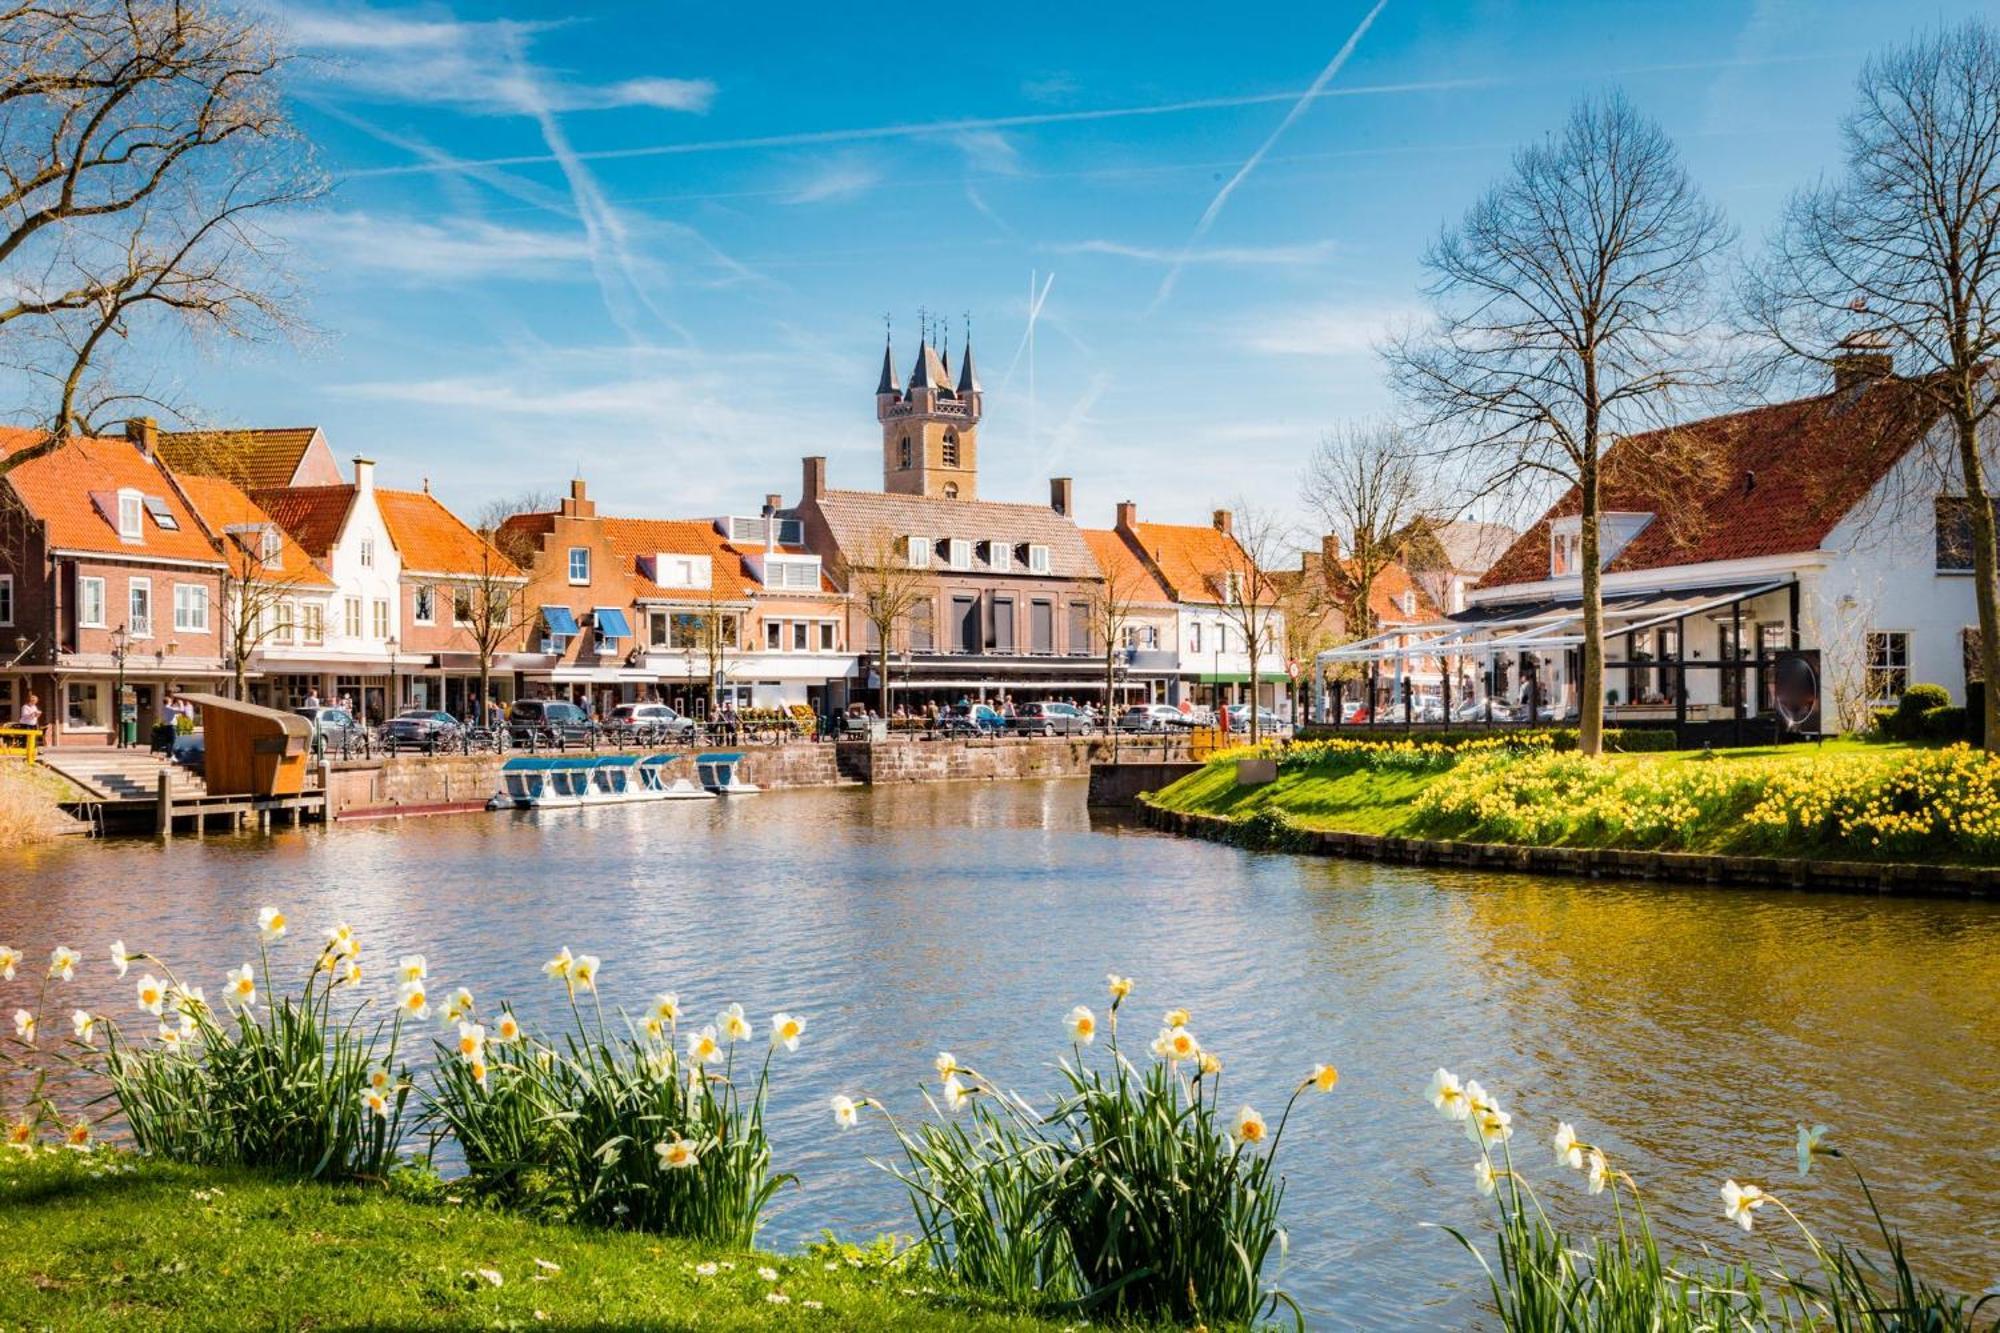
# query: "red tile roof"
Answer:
x=221 y=506
x=1770 y=481
x=314 y=515
x=1191 y=558
x=433 y=540
x=253 y=458
x=633 y=538
x=58 y=488
x=1122 y=567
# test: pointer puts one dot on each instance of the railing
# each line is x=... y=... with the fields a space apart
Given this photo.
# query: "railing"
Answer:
x=29 y=739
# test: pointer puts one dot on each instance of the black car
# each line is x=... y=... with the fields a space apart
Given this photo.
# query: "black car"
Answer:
x=1049 y=719
x=428 y=729
x=549 y=722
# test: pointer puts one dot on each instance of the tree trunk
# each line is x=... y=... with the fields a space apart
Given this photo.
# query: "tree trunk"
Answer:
x=1985 y=563
x=882 y=670
x=480 y=705
x=1590 y=689
x=1250 y=648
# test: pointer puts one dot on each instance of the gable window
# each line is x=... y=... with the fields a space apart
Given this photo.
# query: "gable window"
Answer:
x=139 y=609
x=948 y=456
x=368 y=553
x=903 y=453
x=579 y=564
x=1565 y=549
x=423 y=604
x=1888 y=665
x=6 y=599
x=918 y=550
x=190 y=608
x=271 y=548
x=1038 y=559
x=90 y=602
x=131 y=516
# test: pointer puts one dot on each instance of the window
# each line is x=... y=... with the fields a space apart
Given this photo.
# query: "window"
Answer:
x=368 y=553
x=423 y=604
x=271 y=548
x=1003 y=625
x=827 y=640
x=6 y=599
x=131 y=516
x=958 y=553
x=190 y=608
x=1038 y=559
x=139 y=603
x=380 y=612
x=312 y=623
x=801 y=633
x=774 y=635
x=1565 y=548
x=1954 y=534
x=162 y=515
x=1888 y=673
x=1194 y=637
x=282 y=617
x=903 y=453
x=1079 y=629
x=965 y=632
x=948 y=456
x=579 y=564
x=923 y=627
x=90 y=602
x=350 y=617
x=1000 y=556
x=656 y=629
x=951 y=490
x=918 y=551
x=84 y=704
x=1041 y=626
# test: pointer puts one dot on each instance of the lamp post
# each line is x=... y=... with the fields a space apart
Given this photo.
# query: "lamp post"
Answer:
x=390 y=709
x=903 y=660
x=120 y=645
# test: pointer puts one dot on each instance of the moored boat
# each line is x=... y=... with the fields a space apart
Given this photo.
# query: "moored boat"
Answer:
x=717 y=772
x=657 y=785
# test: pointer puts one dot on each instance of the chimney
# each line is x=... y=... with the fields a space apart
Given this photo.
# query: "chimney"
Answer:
x=1059 y=495
x=1128 y=515
x=1329 y=551
x=364 y=475
x=773 y=502
x=815 y=478
x=1862 y=358
x=145 y=433
x=579 y=504
x=1222 y=521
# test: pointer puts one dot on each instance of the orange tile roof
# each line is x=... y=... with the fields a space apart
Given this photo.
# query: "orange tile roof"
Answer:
x=1778 y=478
x=636 y=537
x=1133 y=578
x=312 y=514
x=433 y=540
x=1190 y=557
x=253 y=458
x=59 y=489
x=221 y=505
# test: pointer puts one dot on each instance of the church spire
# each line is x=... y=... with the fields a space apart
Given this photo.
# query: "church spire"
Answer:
x=887 y=384
x=968 y=378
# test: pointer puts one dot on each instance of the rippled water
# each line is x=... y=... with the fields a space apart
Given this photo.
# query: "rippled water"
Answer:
x=1686 y=1030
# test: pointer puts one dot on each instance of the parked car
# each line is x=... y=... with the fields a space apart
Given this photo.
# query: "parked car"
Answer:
x=1151 y=718
x=420 y=729
x=971 y=720
x=332 y=727
x=1049 y=719
x=650 y=723
x=549 y=722
x=1474 y=710
x=1268 y=722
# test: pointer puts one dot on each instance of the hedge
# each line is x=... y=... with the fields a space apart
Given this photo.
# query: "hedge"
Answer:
x=1635 y=740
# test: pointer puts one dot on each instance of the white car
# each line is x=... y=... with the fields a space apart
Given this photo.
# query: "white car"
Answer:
x=1151 y=717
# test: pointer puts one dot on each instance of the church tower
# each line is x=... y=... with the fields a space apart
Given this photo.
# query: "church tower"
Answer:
x=930 y=430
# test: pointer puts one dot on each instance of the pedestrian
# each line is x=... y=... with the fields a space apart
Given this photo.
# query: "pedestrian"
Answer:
x=312 y=697
x=31 y=712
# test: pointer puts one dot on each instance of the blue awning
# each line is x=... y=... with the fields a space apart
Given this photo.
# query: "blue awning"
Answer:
x=611 y=622
x=559 y=619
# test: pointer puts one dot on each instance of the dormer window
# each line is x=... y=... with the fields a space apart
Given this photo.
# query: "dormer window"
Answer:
x=949 y=454
x=918 y=551
x=271 y=549
x=1565 y=552
x=1615 y=530
x=1000 y=556
x=1038 y=558
x=131 y=516
x=958 y=553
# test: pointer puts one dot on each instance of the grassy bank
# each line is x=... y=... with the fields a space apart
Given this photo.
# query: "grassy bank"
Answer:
x=1845 y=799
x=101 y=1240
x=29 y=809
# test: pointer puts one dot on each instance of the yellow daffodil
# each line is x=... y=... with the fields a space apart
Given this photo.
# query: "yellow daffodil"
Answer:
x=583 y=972
x=412 y=1000
x=20 y=1134
x=1448 y=1097
x=24 y=1026
x=667 y=1008
x=152 y=993
x=84 y=1024
x=374 y=1103
x=506 y=1028
x=1324 y=1077
x=956 y=1094
x=733 y=1025
x=946 y=1064
x=676 y=1154
x=380 y=1079
x=62 y=963
x=655 y=1028
x=459 y=1007
x=846 y=1113
x=119 y=958
x=1119 y=986
x=1249 y=1127
x=477 y=1066
x=471 y=1041
x=9 y=960
x=703 y=1048
x=78 y=1135
x=242 y=986
x=1179 y=1044
x=1739 y=1201
x=785 y=1030
x=271 y=925
x=1176 y=1018
x=1599 y=1171
x=350 y=973
x=412 y=967
x=1211 y=1064
x=1569 y=1152
x=1082 y=1025
x=559 y=966
x=1812 y=1143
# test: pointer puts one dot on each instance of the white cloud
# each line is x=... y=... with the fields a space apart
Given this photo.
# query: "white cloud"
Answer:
x=1323 y=330
x=989 y=151
x=831 y=181
x=453 y=249
x=1312 y=253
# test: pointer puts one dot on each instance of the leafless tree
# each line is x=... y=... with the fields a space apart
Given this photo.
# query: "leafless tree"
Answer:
x=1112 y=600
x=142 y=142
x=261 y=581
x=1315 y=620
x=489 y=605
x=1901 y=258
x=1367 y=486
x=494 y=514
x=1247 y=587
x=885 y=586
x=1570 y=308
x=709 y=632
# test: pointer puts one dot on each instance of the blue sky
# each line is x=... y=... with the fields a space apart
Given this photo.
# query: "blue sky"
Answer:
x=656 y=242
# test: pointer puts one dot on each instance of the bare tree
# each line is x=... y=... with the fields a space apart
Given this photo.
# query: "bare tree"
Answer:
x=494 y=514
x=709 y=632
x=1247 y=587
x=141 y=142
x=1569 y=309
x=1112 y=600
x=1315 y=619
x=260 y=583
x=885 y=586
x=490 y=604
x=1366 y=486
x=1901 y=258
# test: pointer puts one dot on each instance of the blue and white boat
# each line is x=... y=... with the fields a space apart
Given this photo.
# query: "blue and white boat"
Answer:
x=657 y=785
x=717 y=772
x=530 y=782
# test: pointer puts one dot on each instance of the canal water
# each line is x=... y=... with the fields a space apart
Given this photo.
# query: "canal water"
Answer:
x=1686 y=1030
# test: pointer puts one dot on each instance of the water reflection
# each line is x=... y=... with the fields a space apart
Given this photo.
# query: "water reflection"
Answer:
x=1684 y=1029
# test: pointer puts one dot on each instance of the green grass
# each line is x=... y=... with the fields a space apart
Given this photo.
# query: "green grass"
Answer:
x=105 y=1241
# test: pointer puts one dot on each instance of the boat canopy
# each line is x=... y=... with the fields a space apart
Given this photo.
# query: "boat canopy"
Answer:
x=719 y=758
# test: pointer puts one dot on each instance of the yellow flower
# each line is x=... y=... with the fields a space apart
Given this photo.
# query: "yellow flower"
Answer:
x=1082 y=1025
x=271 y=922
x=785 y=1030
x=9 y=960
x=341 y=943
x=459 y=1007
x=471 y=1041
x=20 y=1134
x=846 y=1112
x=78 y=1135
x=676 y=1154
x=583 y=972
x=946 y=1064
x=1177 y=1044
x=1177 y=1018
x=1324 y=1077
x=1211 y=1064
x=412 y=1000
x=1120 y=988
x=374 y=1103
x=667 y=1007
x=62 y=963
x=506 y=1028
x=478 y=1067
x=380 y=1078
x=350 y=973
x=1250 y=1127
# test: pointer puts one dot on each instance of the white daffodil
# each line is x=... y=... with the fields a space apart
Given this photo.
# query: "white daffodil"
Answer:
x=956 y=1094
x=1179 y=1044
x=1569 y=1152
x=506 y=1028
x=1211 y=1064
x=380 y=1079
x=946 y=1064
x=374 y=1103
x=24 y=1026
x=1487 y=1125
x=412 y=967
x=1448 y=1097
x=119 y=958
x=1739 y=1201
x=1599 y=1170
x=459 y=1007
x=703 y=1048
x=846 y=1112
x=583 y=972
x=152 y=993
x=1324 y=1077
x=1082 y=1025
x=62 y=963
x=706 y=1268
x=187 y=999
x=84 y=1024
x=412 y=1000
x=471 y=1042
x=341 y=943
x=1812 y=1143
x=477 y=1066
x=1158 y=1046
x=9 y=960
x=1249 y=1127
x=733 y=1025
x=676 y=1154
x=1120 y=987
x=667 y=1008
x=1484 y=1176
x=171 y=1036
x=271 y=925
x=559 y=966
x=350 y=973
x=785 y=1030
x=242 y=986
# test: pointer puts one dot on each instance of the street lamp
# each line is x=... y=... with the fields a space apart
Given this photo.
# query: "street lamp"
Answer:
x=393 y=693
x=903 y=660
x=120 y=644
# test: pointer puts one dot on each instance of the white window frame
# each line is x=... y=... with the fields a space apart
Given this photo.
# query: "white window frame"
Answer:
x=7 y=600
x=312 y=623
x=1870 y=670
x=83 y=620
x=774 y=636
x=829 y=636
x=368 y=553
x=1038 y=558
x=132 y=506
x=381 y=622
x=999 y=555
x=271 y=548
x=1194 y=636
x=190 y=599
x=959 y=553
x=350 y=617
x=579 y=555
x=132 y=588
x=917 y=550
